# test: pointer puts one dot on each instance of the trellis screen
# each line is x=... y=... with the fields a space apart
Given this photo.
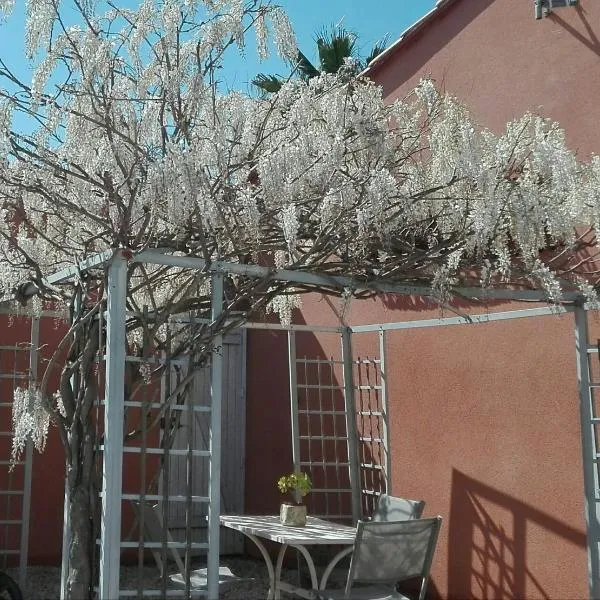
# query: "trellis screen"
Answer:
x=149 y=499
x=18 y=366
x=339 y=429
x=371 y=411
x=166 y=470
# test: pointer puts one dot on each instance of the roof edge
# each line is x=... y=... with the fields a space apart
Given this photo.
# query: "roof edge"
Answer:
x=407 y=34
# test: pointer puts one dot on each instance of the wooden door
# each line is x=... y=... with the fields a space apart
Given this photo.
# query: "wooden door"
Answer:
x=194 y=427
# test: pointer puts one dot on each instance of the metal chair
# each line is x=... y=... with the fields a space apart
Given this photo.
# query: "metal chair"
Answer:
x=389 y=508
x=385 y=554
x=393 y=508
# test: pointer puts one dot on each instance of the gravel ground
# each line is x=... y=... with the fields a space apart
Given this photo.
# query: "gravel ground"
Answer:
x=43 y=583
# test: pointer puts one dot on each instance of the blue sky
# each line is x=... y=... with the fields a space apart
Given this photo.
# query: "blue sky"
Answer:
x=372 y=21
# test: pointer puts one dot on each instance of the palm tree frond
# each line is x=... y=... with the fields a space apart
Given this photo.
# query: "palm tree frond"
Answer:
x=305 y=67
x=377 y=49
x=267 y=83
x=334 y=46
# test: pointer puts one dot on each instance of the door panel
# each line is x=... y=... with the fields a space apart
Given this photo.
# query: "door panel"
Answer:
x=194 y=428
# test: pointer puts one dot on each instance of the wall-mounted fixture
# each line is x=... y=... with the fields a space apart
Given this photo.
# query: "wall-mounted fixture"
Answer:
x=544 y=7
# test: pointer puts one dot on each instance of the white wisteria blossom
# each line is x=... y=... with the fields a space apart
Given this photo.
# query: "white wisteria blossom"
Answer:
x=126 y=139
x=30 y=420
x=6 y=7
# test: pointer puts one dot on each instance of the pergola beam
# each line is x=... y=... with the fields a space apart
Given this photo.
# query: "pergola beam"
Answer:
x=323 y=280
x=467 y=319
x=300 y=277
x=93 y=262
x=338 y=281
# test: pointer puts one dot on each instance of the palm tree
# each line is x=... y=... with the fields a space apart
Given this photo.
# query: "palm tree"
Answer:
x=334 y=46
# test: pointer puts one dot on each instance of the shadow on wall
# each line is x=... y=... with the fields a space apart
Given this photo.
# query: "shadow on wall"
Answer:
x=423 y=303
x=455 y=22
x=591 y=41
x=487 y=559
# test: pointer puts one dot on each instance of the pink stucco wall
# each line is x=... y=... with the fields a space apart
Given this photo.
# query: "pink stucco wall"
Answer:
x=484 y=427
x=47 y=487
x=501 y=63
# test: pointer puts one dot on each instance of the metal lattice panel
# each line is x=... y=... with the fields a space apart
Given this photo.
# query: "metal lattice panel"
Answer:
x=339 y=430
x=372 y=431
x=161 y=490
x=322 y=437
x=18 y=366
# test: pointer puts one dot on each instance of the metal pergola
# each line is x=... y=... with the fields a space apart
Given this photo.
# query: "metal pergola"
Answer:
x=117 y=262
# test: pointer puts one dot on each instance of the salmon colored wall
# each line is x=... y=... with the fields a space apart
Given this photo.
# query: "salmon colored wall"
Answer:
x=268 y=448
x=46 y=515
x=501 y=63
x=485 y=418
x=484 y=427
x=486 y=424
x=47 y=492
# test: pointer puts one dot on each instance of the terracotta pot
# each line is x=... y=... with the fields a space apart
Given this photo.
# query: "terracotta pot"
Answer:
x=293 y=515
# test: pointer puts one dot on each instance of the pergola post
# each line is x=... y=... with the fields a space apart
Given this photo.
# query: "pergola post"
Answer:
x=387 y=461
x=589 y=450
x=351 y=429
x=294 y=400
x=214 y=493
x=26 y=512
x=112 y=472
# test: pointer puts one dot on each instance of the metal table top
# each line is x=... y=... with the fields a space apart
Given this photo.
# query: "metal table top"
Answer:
x=316 y=531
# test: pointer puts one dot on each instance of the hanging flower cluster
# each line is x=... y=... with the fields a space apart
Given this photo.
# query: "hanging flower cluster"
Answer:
x=30 y=421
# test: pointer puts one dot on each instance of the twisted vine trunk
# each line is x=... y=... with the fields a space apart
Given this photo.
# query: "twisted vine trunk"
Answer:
x=78 y=388
x=79 y=579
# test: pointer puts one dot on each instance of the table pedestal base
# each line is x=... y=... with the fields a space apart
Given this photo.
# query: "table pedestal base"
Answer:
x=275 y=583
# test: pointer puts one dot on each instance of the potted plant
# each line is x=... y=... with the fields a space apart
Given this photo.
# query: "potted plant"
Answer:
x=298 y=484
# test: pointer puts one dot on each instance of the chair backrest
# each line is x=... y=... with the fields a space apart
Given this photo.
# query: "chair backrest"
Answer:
x=392 y=508
x=385 y=553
